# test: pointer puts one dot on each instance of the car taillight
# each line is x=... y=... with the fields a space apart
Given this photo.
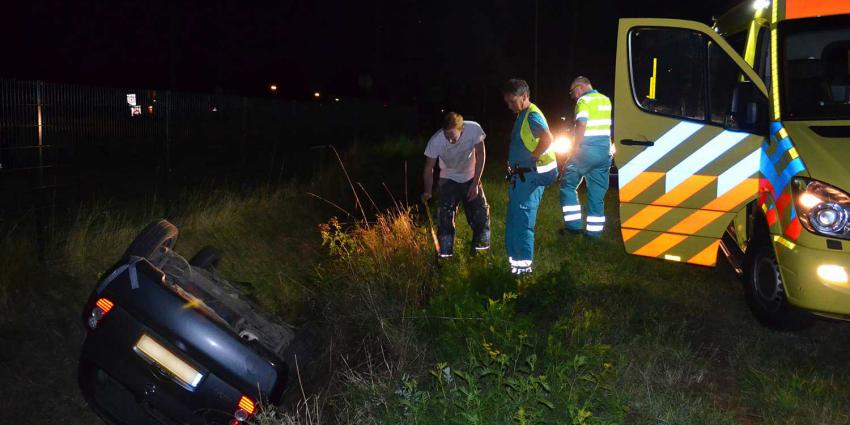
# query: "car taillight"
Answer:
x=244 y=411
x=101 y=307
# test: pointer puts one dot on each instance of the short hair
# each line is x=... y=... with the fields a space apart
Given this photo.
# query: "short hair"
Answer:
x=452 y=120
x=582 y=80
x=515 y=87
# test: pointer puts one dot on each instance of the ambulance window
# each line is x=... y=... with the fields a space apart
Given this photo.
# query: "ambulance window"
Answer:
x=723 y=76
x=738 y=42
x=668 y=67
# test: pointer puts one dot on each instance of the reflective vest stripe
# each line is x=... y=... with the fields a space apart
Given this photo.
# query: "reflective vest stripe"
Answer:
x=596 y=109
x=546 y=161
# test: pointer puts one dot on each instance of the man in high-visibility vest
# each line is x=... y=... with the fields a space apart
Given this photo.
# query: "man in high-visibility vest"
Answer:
x=531 y=167
x=591 y=159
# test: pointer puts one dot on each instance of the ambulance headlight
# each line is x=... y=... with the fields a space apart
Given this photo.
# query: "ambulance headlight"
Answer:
x=821 y=208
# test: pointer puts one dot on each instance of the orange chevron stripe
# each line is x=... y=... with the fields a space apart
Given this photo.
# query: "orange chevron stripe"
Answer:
x=638 y=185
x=660 y=245
x=695 y=222
x=685 y=190
x=629 y=233
x=706 y=257
x=646 y=216
x=741 y=193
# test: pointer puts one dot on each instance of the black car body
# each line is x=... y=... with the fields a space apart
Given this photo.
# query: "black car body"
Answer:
x=169 y=342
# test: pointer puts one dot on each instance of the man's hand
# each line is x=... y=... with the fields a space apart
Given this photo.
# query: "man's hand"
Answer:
x=426 y=196
x=472 y=193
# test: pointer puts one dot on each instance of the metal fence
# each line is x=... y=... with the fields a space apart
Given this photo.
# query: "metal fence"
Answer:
x=60 y=143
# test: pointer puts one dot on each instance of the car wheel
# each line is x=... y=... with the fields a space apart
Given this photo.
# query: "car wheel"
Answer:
x=765 y=290
x=206 y=258
x=153 y=237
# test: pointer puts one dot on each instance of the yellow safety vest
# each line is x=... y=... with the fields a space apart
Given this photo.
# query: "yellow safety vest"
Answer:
x=546 y=161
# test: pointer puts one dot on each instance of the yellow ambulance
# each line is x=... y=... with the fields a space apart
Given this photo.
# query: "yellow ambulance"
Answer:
x=735 y=139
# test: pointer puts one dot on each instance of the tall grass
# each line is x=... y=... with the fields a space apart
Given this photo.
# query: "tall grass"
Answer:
x=595 y=336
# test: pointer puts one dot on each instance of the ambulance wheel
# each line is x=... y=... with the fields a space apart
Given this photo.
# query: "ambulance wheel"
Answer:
x=765 y=290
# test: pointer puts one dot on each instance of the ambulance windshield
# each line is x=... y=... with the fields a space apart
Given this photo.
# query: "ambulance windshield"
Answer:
x=815 y=54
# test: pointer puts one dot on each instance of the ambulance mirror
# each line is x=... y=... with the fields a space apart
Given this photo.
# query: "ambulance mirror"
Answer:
x=748 y=109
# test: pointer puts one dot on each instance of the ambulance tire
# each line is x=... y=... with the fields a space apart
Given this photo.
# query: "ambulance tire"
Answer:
x=765 y=290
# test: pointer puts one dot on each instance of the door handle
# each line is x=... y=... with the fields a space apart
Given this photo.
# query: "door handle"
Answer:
x=630 y=142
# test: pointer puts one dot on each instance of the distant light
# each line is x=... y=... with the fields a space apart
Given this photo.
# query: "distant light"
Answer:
x=563 y=118
x=562 y=144
x=336 y=99
x=832 y=274
x=761 y=4
x=442 y=110
x=317 y=94
x=273 y=87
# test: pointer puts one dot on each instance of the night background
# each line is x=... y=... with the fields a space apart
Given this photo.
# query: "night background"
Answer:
x=432 y=55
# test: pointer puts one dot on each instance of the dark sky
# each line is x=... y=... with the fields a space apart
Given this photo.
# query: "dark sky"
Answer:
x=446 y=53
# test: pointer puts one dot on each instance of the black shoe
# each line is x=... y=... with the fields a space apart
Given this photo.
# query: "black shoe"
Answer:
x=569 y=232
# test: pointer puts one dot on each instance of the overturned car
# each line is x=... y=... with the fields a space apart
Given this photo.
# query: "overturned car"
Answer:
x=169 y=341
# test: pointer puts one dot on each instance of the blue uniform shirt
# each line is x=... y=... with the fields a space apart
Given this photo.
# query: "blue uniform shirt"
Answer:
x=517 y=152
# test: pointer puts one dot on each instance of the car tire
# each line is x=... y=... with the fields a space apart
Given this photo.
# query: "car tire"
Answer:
x=765 y=290
x=206 y=258
x=153 y=237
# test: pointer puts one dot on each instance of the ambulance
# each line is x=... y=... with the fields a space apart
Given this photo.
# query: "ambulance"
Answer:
x=734 y=139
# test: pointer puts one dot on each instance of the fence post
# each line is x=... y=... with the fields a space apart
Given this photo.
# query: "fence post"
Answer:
x=167 y=148
x=39 y=211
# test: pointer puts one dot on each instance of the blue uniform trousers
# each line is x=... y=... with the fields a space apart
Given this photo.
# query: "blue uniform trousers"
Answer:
x=523 y=200
x=592 y=163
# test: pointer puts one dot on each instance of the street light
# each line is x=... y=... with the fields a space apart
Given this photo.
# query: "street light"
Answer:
x=317 y=94
x=273 y=88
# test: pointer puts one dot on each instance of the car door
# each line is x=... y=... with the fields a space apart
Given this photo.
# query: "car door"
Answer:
x=688 y=162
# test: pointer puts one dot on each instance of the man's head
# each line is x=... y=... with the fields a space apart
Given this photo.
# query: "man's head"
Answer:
x=452 y=126
x=579 y=87
x=515 y=93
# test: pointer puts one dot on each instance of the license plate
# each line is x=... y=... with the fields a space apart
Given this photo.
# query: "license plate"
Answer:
x=171 y=363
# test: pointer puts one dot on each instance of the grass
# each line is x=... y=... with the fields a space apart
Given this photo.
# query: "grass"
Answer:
x=595 y=336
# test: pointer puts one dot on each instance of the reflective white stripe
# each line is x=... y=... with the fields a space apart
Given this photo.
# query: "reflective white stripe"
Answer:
x=595 y=227
x=603 y=108
x=588 y=133
x=572 y=217
x=595 y=219
x=445 y=255
x=582 y=114
x=592 y=123
x=548 y=167
x=649 y=156
x=482 y=248
x=571 y=208
x=520 y=263
x=702 y=157
x=739 y=172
